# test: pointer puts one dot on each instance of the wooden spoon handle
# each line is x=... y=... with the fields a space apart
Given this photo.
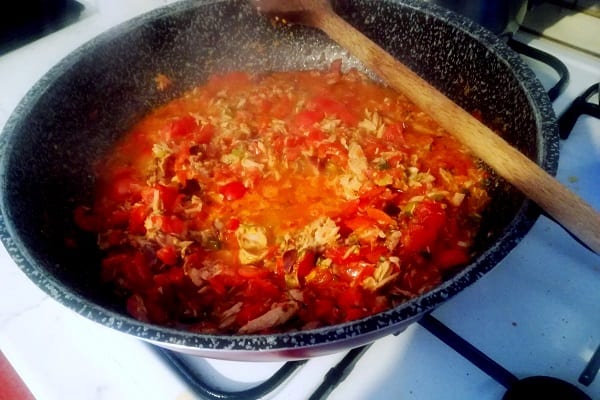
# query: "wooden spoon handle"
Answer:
x=564 y=206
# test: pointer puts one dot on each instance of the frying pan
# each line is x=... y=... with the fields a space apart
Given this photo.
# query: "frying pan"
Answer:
x=73 y=115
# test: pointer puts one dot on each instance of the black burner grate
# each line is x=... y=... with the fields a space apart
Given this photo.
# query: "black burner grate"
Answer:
x=198 y=384
x=548 y=59
x=580 y=106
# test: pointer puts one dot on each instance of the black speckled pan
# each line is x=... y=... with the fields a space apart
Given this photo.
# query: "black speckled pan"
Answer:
x=79 y=108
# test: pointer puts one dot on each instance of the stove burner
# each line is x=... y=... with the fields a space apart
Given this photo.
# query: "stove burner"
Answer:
x=338 y=373
x=532 y=387
x=548 y=59
x=589 y=373
x=517 y=389
x=23 y=22
x=581 y=105
x=202 y=389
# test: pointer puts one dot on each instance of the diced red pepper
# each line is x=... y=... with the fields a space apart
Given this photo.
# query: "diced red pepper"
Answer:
x=251 y=271
x=233 y=224
x=359 y=222
x=453 y=257
x=424 y=227
x=330 y=106
x=167 y=254
x=353 y=272
x=168 y=196
x=349 y=208
x=380 y=216
x=351 y=298
x=137 y=218
x=233 y=190
x=373 y=253
x=306 y=264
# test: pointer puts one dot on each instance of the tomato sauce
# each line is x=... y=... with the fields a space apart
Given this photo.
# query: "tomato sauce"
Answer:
x=260 y=203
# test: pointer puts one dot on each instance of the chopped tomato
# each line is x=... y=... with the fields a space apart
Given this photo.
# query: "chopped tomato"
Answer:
x=233 y=190
x=168 y=196
x=449 y=258
x=332 y=151
x=205 y=134
x=334 y=108
x=167 y=255
x=379 y=216
x=375 y=197
x=319 y=277
x=233 y=224
x=351 y=298
x=343 y=254
x=136 y=220
x=424 y=227
x=394 y=134
x=324 y=310
x=251 y=272
x=352 y=272
x=306 y=264
x=373 y=254
x=360 y=222
x=349 y=208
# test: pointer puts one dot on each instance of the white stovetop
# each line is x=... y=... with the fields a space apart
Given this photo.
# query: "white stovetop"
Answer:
x=536 y=313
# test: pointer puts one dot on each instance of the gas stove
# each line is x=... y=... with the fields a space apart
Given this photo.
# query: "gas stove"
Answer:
x=536 y=313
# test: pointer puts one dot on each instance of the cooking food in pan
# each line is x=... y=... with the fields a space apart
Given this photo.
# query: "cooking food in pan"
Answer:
x=261 y=203
x=87 y=107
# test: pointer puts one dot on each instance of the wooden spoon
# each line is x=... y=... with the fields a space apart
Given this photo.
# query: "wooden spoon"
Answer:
x=564 y=206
